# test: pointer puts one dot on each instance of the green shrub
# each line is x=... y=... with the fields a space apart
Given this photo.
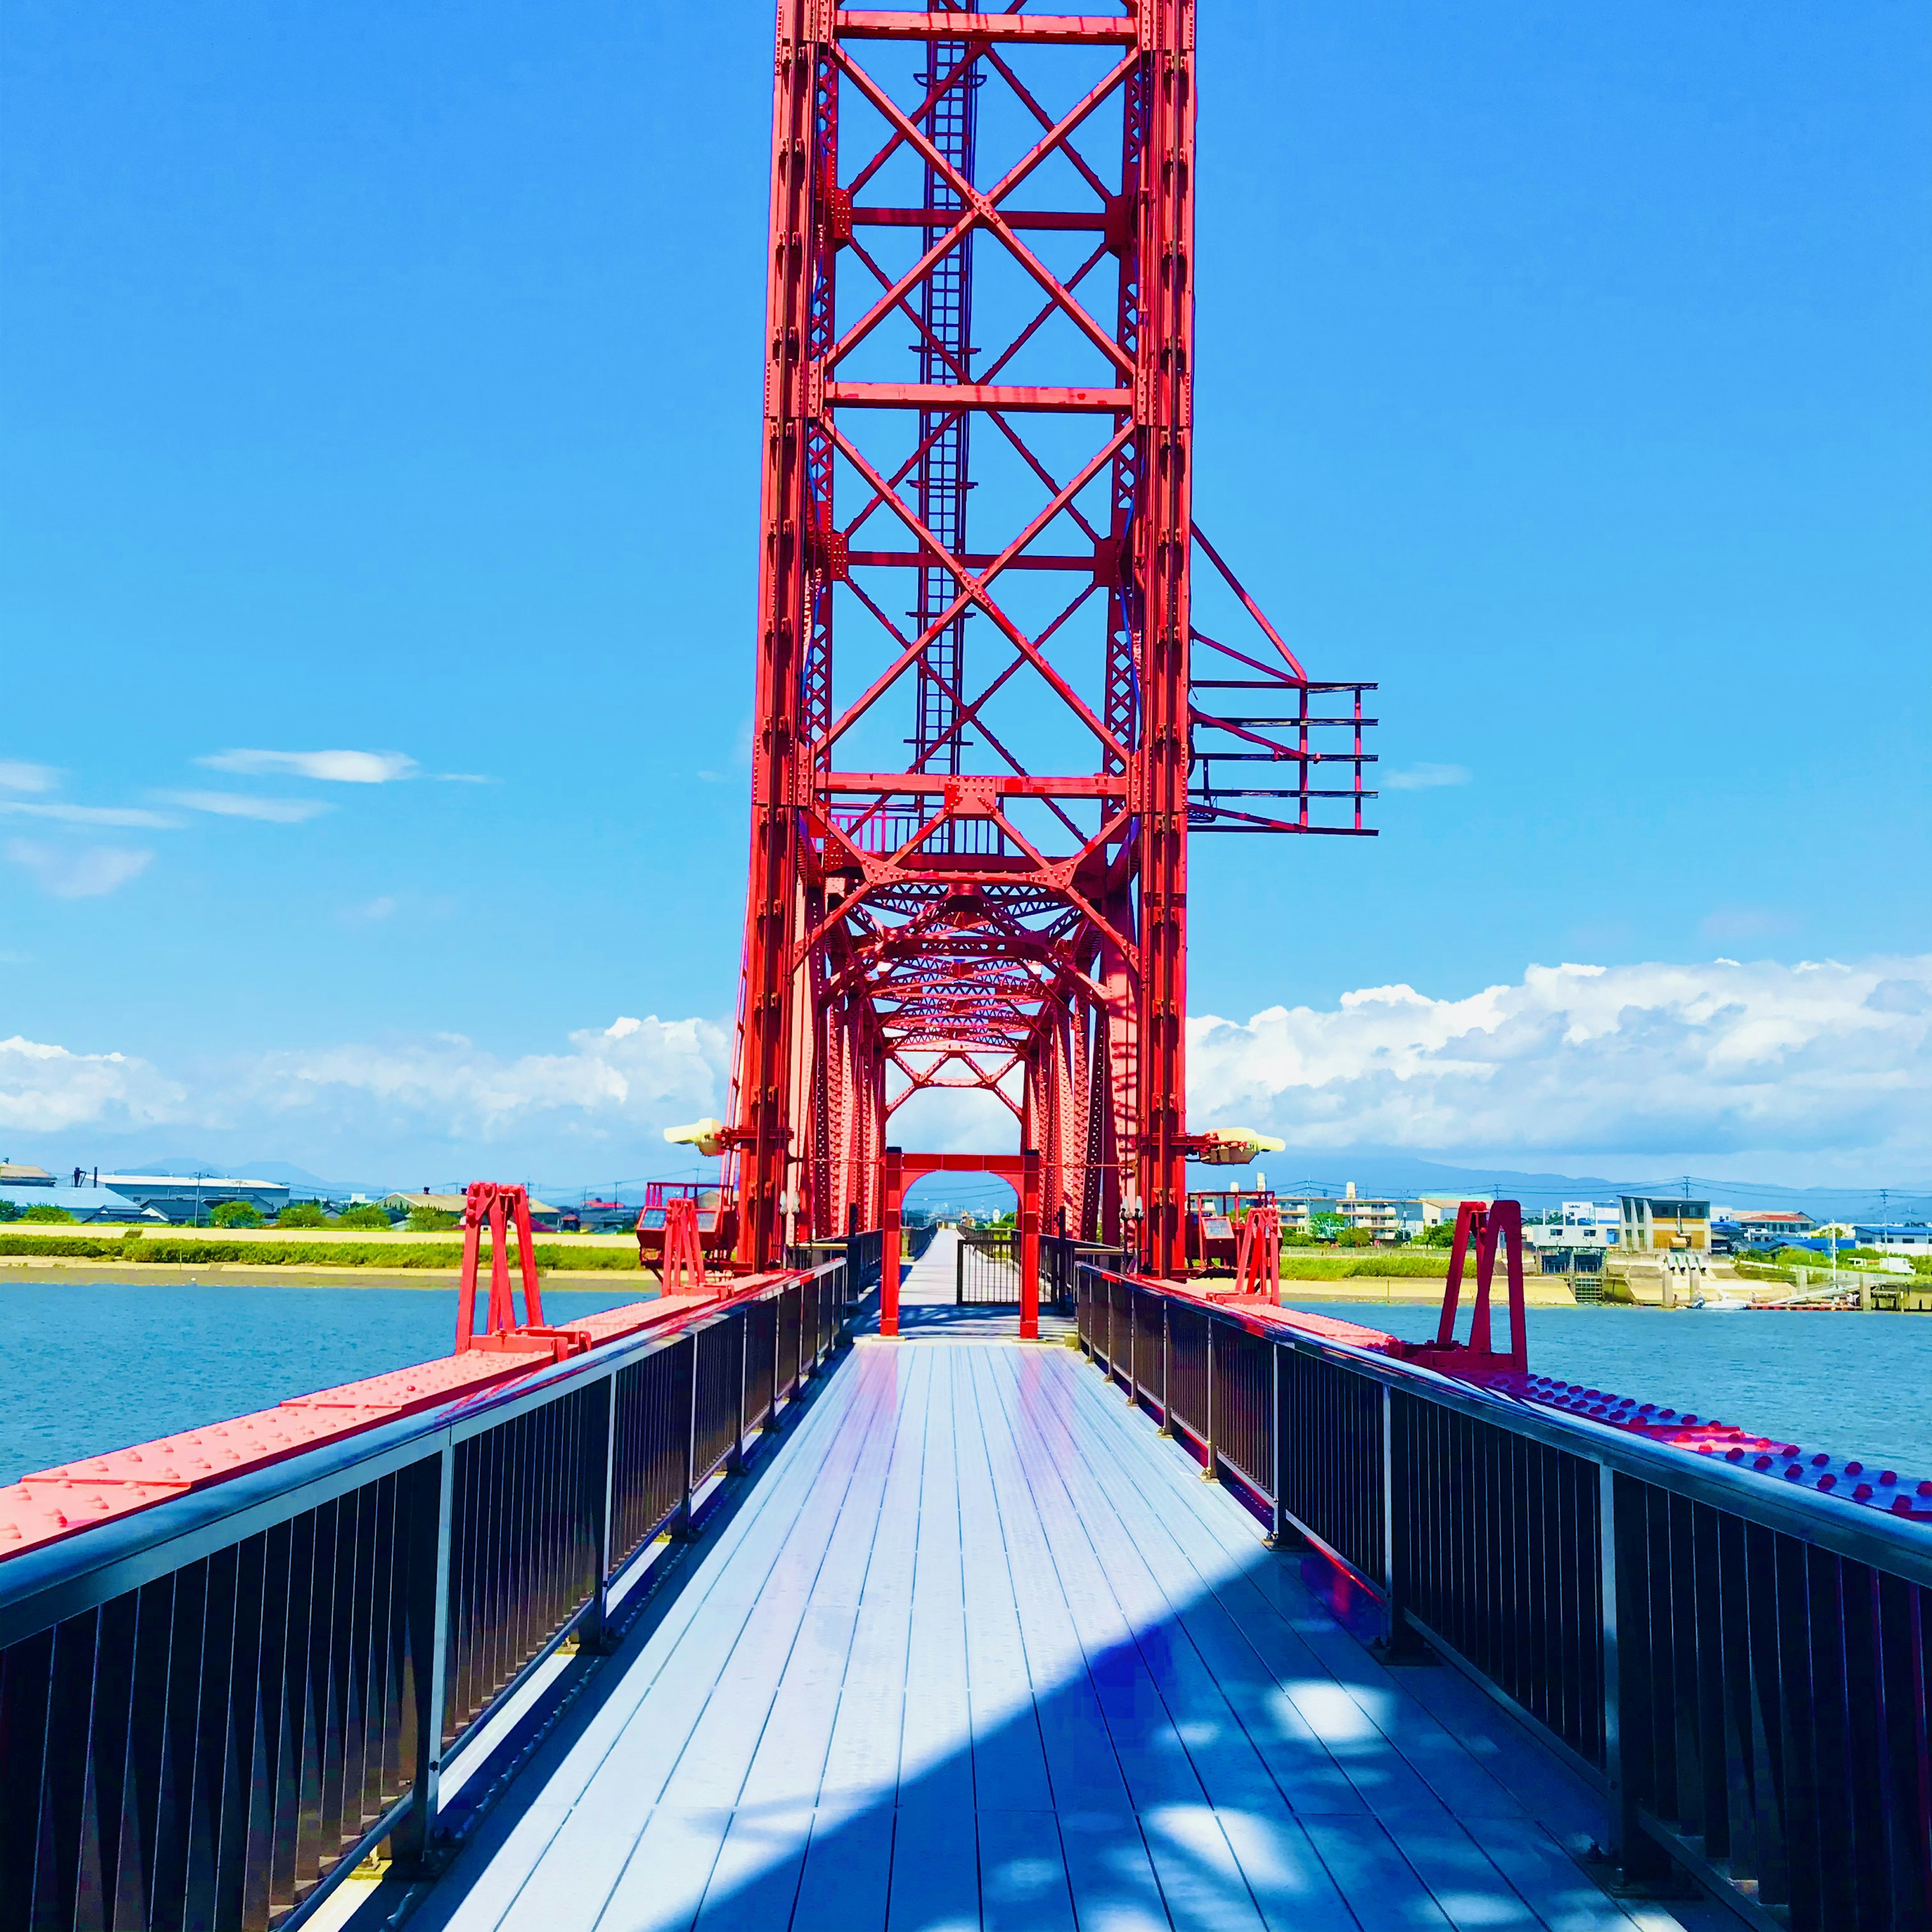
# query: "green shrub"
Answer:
x=235 y=1214
x=369 y=1217
x=10 y=1210
x=302 y=1214
x=45 y=1210
x=430 y=1220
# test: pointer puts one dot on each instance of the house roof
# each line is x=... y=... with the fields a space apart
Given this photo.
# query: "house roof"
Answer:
x=451 y=1204
x=18 y=1174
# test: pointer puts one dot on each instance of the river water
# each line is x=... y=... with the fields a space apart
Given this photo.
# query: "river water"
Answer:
x=91 y=1366
x=1859 y=1385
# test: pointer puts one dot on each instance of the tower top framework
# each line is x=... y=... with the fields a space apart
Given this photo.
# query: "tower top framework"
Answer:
x=978 y=762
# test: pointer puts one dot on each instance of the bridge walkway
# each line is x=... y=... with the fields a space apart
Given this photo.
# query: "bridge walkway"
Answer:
x=982 y=1650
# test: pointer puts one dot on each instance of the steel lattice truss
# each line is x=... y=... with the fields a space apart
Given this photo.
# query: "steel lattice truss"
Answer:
x=969 y=857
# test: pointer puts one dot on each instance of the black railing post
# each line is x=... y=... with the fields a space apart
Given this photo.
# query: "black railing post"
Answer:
x=1619 y=1822
x=415 y=1844
x=1133 y=1351
x=600 y=1473
x=1402 y=1640
x=1210 y=1471
x=1166 y=1364
x=735 y=1466
x=683 y=1524
x=1276 y=1521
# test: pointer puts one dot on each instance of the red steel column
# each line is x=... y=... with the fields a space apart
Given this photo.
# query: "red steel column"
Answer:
x=1164 y=545
x=1029 y=1244
x=766 y=1078
x=888 y=1246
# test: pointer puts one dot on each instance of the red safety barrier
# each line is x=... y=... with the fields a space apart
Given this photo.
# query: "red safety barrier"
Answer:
x=1477 y=1359
x=682 y=1264
x=54 y=1504
x=1258 y=1270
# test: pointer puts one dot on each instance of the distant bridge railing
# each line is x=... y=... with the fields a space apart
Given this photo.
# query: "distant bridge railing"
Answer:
x=211 y=1709
x=1737 y=1657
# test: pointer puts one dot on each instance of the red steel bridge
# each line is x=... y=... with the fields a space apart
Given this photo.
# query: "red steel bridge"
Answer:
x=989 y=719
x=802 y=1595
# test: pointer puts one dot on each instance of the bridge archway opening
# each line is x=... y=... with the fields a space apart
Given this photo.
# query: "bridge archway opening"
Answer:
x=903 y=1169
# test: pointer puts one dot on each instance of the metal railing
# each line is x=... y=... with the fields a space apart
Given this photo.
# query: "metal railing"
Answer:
x=1061 y=1257
x=210 y=1710
x=986 y=1271
x=1740 y=1666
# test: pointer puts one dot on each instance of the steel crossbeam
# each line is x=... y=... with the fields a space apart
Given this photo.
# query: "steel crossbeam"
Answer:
x=999 y=903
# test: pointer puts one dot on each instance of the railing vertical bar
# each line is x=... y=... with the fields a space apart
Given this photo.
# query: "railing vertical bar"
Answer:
x=432 y=1485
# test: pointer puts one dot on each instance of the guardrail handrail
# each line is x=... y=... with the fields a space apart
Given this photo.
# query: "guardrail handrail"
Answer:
x=212 y=1707
x=1740 y=1664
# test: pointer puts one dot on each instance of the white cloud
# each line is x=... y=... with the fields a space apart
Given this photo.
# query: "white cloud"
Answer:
x=1423 y=778
x=16 y=774
x=47 y=1089
x=1720 y=1058
x=337 y=767
x=651 y=1074
x=369 y=913
x=242 y=805
x=85 y=874
x=1797 y=1067
x=126 y=816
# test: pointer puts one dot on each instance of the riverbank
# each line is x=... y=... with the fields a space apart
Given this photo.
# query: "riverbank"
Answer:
x=634 y=1284
x=316 y=1258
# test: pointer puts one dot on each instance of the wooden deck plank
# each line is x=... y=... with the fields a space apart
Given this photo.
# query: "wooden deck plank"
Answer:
x=1009 y=1760
x=1152 y=1756
x=754 y=1885
x=1227 y=1683
x=1108 y=1871
x=789 y=1766
x=710 y=1769
x=981 y=1653
x=848 y=1869
x=1442 y=1765
x=1023 y=1882
x=597 y=1818
x=664 y=1879
x=861 y=1759
x=935 y=1880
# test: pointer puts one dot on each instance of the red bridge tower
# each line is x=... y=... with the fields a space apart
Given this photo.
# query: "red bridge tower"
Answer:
x=971 y=822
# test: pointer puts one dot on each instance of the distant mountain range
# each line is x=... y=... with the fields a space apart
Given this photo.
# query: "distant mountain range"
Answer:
x=1401 y=1176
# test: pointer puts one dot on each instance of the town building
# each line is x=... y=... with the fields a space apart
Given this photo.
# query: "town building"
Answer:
x=1439 y=1207
x=1382 y=1217
x=188 y=1198
x=17 y=1174
x=1767 y=1227
x=1574 y=1241
x=84 y=1204
x=543 y=1218
x=1651 y=1221
x=1895 y=1237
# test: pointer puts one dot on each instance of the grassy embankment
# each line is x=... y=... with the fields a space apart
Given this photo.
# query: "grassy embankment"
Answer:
x=1306 y=1264
x=202 y=1249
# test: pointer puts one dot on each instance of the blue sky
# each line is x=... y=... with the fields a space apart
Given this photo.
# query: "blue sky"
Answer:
x=387 y=380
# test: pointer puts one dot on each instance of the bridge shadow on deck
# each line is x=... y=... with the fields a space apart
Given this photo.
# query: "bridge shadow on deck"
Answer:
x=981 y=1651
